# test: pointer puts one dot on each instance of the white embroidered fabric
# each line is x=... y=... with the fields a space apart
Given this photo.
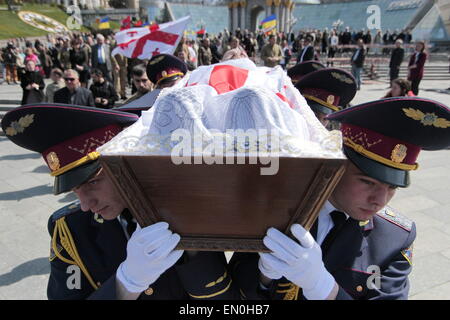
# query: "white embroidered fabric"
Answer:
x=230 y=108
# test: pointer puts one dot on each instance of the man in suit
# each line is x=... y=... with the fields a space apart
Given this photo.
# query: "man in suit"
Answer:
x=396 y=60
x=73 y=93
x=307 y=52
x=97 y=250
x=101 y=57
x=357 y=62
x=358 y=248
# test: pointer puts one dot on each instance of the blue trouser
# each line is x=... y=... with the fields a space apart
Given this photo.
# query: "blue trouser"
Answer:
x=356 y=72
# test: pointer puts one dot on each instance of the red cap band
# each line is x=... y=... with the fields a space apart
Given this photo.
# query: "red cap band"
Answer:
x=378 y=147
x=74 y=149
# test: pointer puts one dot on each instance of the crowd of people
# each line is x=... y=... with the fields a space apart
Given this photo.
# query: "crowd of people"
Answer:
x=89 y=62
x=119 y=259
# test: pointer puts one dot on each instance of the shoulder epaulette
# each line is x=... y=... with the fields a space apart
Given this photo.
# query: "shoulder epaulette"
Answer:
x=66 y=210
x=396 y=218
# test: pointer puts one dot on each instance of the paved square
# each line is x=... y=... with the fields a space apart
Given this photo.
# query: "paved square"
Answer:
x=26 y=201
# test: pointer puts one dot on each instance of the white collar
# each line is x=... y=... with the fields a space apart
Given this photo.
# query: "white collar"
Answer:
x=329 y=208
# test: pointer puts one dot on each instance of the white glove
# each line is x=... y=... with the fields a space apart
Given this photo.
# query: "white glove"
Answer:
x=149 y=253
x=299 y=263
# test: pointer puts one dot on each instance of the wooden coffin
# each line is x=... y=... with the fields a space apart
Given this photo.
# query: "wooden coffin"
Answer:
x=223 y=207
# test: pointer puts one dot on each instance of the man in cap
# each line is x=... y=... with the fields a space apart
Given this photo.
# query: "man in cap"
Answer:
x=326 y=90
x=163 y=71
x=302 y=69
x=97 y=251
x=358 y=248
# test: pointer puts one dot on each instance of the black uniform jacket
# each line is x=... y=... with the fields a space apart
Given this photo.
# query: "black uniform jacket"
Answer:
x=359 y=62
x=91 y=248
x=370 y=261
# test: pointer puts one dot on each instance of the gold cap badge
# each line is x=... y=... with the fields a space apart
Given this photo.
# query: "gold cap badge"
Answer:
x=399 y=153
x=53 y=161
x=330 y=99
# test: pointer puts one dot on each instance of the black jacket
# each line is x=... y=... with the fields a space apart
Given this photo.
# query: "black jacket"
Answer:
x=101 y=247
x=104 y=90
x=33 y=95
x=385 y=242
x=359 y=62
x=397 y=57
x=81 y=97
x=308 y=54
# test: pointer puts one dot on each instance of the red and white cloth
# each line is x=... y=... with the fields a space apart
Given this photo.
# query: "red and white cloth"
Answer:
x=146 y=42
x=222 y=99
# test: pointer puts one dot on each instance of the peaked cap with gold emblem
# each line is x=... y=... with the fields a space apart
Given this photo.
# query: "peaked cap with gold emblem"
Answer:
x=165 y=67
x=67 y=136
x=383 y=138
x=327 y=89
x=302 y=69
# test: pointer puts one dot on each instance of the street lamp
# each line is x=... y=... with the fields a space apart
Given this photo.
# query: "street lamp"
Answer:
x=337 y=24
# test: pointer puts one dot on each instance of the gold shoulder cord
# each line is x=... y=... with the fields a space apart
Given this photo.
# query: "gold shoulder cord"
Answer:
x=63 y=231
x=291 y=292
x=213 y=294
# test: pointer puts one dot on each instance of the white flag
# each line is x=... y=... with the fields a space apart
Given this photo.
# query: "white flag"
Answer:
x=144 y=43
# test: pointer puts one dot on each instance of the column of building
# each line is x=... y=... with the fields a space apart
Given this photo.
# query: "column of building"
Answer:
x=289 y=4
x=276 y=4
x=268 y=7
x=243 y=8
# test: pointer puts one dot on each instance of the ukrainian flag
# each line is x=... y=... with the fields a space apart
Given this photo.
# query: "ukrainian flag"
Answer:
x=269 y=23
x=104 y=23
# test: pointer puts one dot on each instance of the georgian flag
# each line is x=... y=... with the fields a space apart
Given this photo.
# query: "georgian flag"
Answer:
x=234 y=74
x=144 y=43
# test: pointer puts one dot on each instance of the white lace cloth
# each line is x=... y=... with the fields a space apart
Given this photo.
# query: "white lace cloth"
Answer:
x=230 y=108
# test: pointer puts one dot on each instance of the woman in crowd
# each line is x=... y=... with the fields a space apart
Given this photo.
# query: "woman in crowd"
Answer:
x=235 y=52
x=416 y=66
x=79 y=60
x=400 y=88
x=58 y=82
x=32 y=84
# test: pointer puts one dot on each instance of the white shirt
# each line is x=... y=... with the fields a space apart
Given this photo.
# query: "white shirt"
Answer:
x=124 y=224
x=325 y=222
x=356 y=55
x=304 y=51
x=101 y=54
x=334 y=41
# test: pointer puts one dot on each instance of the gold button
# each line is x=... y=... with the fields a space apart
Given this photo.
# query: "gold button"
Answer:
x=149 y=291
x=359 y=288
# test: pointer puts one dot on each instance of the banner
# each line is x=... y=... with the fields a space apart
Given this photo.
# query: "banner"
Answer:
x=269 y=23
x=146 y=42
x=104 y=23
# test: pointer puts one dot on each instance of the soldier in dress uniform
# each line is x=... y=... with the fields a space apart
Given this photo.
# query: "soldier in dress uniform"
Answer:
x=302 y=69
x=97 y=251
x=358 y=247
x=326 y=90
x=164 y=71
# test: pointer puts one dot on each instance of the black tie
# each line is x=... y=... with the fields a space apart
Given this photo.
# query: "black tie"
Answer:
x=131 y=225
x=314 y=228
x=339 y=219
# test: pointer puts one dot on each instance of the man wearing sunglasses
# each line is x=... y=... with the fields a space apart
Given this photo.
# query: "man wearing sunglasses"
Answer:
x=73 y=93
